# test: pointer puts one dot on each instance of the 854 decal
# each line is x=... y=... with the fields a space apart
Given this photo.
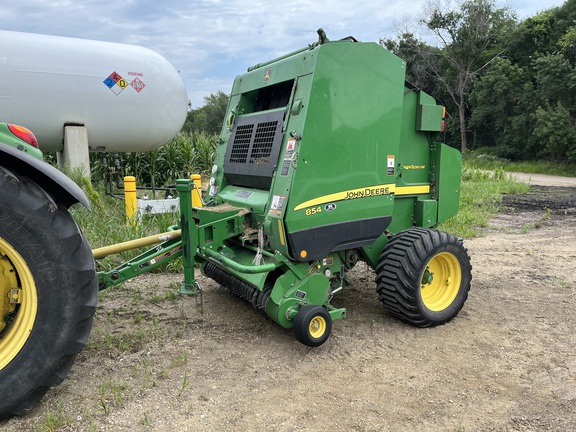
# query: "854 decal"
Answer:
x=318 y=209
x=313 y=210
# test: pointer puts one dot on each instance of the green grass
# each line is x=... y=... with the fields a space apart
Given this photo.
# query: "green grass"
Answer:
x=483 y=158
x=54 y=420
x=480 y=198
x=105 y=224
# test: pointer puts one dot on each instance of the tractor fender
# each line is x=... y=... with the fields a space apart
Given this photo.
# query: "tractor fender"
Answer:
x=62 y=189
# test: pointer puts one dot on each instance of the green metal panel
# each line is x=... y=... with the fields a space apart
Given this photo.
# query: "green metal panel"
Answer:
x=448 y=175
x=429 y=118
x=289 y=293
x=254 y=200
x=412 y=162
x=349 y=126
x=425 y=213
x=403 y=217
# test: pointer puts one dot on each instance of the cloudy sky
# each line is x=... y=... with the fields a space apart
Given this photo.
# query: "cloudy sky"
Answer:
x=212 y=41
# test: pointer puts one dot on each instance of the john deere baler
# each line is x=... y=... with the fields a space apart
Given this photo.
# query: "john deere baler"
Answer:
x=328 y=157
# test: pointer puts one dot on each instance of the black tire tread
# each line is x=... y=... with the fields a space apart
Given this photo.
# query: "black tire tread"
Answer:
x=58 y=229
x=302 y=322
x=399 y=269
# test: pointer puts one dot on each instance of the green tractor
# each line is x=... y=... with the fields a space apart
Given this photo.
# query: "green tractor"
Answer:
x=326 y=157
x=48 y=284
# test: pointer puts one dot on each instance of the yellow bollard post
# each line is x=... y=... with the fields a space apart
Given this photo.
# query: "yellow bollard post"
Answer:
x=196 y=192
x=130 y=200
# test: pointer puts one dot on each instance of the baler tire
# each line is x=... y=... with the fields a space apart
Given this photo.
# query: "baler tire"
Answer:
x=423 y=276
x=41 y=243
x=312 y=325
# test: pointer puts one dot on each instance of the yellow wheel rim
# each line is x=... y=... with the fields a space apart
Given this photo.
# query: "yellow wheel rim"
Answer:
x=441 y=281
x=16 y=280
x=317 y=327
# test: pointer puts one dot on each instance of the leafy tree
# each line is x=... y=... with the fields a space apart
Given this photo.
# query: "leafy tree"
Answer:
x=524 y=112
x=554 y=131
x=209 y=118
x=555 y=80
x=549 y=32
x=494 y=100
x=470 y=39
x=543 y=47
x=533 y=36
x=512 y=84
x=412 y=50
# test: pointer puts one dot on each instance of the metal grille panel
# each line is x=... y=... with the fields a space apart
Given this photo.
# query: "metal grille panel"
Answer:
x=241 y=145
x=253 y=149
x=263 y=141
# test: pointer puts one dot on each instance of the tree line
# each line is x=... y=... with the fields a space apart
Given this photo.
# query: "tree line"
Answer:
x=508 y=84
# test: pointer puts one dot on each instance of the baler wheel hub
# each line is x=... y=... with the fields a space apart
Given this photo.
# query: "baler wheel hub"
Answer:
x=441 y=281
x=317 y=327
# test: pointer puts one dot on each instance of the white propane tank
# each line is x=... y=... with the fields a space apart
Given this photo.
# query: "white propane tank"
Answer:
x=128 y=97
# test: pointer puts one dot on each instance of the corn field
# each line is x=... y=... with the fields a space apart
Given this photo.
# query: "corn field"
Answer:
x=185 y=155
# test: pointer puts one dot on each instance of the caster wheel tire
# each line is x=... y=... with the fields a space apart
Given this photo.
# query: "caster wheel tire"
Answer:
x=312 y=325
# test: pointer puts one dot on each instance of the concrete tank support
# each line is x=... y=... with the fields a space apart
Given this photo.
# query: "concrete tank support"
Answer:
x=75 y=152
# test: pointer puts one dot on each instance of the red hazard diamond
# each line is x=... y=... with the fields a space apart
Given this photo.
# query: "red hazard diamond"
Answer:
x=137 y=85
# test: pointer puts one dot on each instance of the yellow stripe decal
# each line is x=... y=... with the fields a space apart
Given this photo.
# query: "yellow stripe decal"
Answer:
x=365 y=192
x=281 y=231
x=412 y=190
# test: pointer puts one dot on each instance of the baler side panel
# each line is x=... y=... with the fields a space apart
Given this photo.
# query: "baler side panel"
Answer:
x=351 y=127
x=449 y=174
x=287 y=164
x=416 y=170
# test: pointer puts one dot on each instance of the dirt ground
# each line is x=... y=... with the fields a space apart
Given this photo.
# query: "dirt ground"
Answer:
x=507 y=362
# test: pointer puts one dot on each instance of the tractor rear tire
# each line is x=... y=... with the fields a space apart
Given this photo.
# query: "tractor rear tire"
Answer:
x=47 y=266
x=423 y=276
x=312 y=325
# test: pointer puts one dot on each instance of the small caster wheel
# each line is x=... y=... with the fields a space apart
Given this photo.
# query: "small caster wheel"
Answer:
x=312 y=325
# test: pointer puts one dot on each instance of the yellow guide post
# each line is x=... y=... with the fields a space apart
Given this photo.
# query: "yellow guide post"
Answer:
x=196 y=192
x=130 y=200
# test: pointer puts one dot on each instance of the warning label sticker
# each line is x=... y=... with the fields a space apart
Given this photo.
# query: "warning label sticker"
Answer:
x=390 y=170
x=277 y=205
x=137 y=85
x=290 y=147
x=285 y=167
x=116 y=83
